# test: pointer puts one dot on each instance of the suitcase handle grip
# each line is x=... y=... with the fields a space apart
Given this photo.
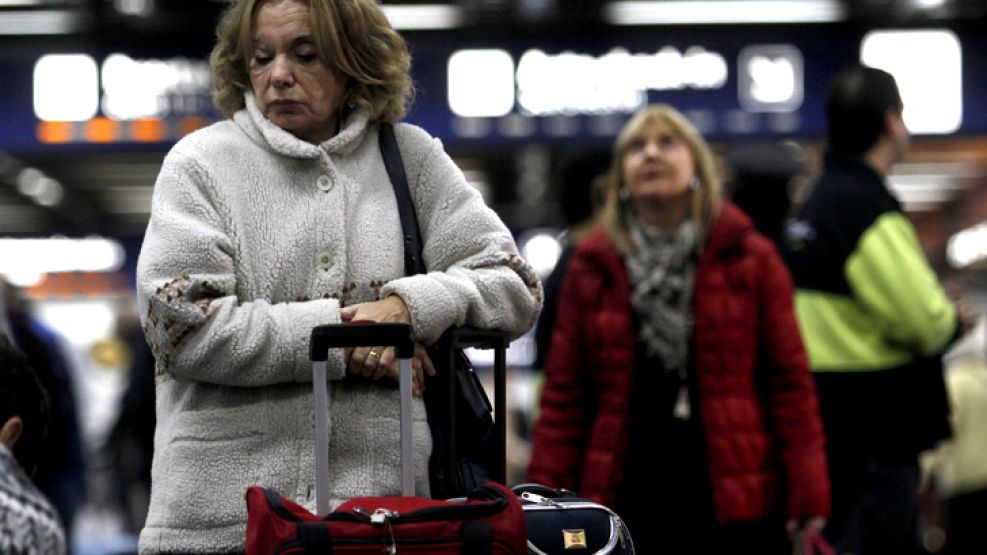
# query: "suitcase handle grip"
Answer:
x=331 y=336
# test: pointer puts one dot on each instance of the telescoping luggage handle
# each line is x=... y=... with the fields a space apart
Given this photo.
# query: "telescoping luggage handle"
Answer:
x=466 y=337
x=334 y=336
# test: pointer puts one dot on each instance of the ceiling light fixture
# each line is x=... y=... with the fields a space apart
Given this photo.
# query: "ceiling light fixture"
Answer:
x=719 y=12
x=424 y=16
x=41 y=22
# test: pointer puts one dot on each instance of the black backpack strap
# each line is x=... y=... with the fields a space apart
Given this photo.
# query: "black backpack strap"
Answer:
x=413 y=262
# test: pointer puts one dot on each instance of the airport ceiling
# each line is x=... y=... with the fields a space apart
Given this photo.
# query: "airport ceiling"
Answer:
x=109 y=193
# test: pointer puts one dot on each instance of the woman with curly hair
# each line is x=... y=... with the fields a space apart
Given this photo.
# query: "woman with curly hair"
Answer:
x=280 y=218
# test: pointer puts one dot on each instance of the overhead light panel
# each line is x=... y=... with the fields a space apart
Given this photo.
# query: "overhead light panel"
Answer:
x=24 y=261
x=66 y=87
x=718 y=12
x=41 y=22
x=927 y=65
x=423 y=16
x=481 y=83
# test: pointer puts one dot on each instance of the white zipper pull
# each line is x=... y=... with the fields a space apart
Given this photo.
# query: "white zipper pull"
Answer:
x=381 y=516
x=535 y=498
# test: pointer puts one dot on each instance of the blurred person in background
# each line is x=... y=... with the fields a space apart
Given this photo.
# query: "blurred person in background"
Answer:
x=675 y=335
x=582 y=196
x=761 y=177
x=130 y=445
x=29 y=524
x=957 y=467
x=282 y=218
x=61 y=473
x=874 y=319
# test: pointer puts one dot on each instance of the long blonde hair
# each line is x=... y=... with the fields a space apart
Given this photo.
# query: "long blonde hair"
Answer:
x=705 y=199
x=351 y=36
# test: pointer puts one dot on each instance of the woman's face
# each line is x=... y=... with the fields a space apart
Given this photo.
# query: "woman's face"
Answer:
x=295 y=89
x=658 y=167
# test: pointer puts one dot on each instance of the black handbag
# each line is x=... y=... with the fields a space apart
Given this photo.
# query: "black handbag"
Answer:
x=559 y=522
x=468 y=448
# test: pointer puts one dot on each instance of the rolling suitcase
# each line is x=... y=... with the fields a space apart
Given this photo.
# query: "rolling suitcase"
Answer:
x=489 y=521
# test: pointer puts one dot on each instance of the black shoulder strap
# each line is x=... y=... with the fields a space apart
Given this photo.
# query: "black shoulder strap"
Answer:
x=413 y=262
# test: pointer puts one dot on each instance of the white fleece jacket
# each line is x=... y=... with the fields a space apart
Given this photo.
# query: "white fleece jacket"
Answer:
x=255 y=237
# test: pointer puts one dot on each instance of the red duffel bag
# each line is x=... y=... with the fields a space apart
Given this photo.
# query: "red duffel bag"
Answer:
x=490 y=521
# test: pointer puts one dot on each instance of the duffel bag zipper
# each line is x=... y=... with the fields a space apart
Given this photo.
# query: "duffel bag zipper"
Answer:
x=450 y=512
x=380 y=516
x=496 y=504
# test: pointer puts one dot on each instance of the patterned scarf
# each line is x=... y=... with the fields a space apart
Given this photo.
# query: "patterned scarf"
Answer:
x=661 y=269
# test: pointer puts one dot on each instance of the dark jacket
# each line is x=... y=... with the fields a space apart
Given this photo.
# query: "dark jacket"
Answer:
x=757 y=402
x=873 y=316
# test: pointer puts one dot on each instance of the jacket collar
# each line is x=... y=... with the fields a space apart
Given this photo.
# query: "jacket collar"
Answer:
x=729 y=229
x=264 y=132
x=862 y=175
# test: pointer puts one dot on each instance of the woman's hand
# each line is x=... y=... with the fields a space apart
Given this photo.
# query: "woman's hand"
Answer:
x=389 y=310
x=377 y=362
x=965 y=313
x=812 y=525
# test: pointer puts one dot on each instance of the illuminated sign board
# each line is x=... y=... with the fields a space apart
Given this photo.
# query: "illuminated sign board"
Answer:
x=483 y=82
x=767 y=81
x=570 y=83
x=134 y=89
x=151 y=100
x=770 y=78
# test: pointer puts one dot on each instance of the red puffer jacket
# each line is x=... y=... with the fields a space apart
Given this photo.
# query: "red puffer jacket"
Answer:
x=743 y=320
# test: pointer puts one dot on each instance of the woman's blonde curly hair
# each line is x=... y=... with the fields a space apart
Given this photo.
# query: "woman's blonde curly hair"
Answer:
x=353 y=37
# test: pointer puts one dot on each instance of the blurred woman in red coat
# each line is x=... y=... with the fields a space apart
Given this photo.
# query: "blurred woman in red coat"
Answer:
x=676 y=337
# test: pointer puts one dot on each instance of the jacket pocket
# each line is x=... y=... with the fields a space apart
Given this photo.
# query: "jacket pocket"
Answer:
x=205 y=465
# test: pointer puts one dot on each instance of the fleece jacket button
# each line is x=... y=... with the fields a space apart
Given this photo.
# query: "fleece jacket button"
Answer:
x=324 y=260
x=324 y=183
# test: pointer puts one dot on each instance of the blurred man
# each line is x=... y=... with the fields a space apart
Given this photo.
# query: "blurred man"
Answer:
x=874 y=319
x=28 y=523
